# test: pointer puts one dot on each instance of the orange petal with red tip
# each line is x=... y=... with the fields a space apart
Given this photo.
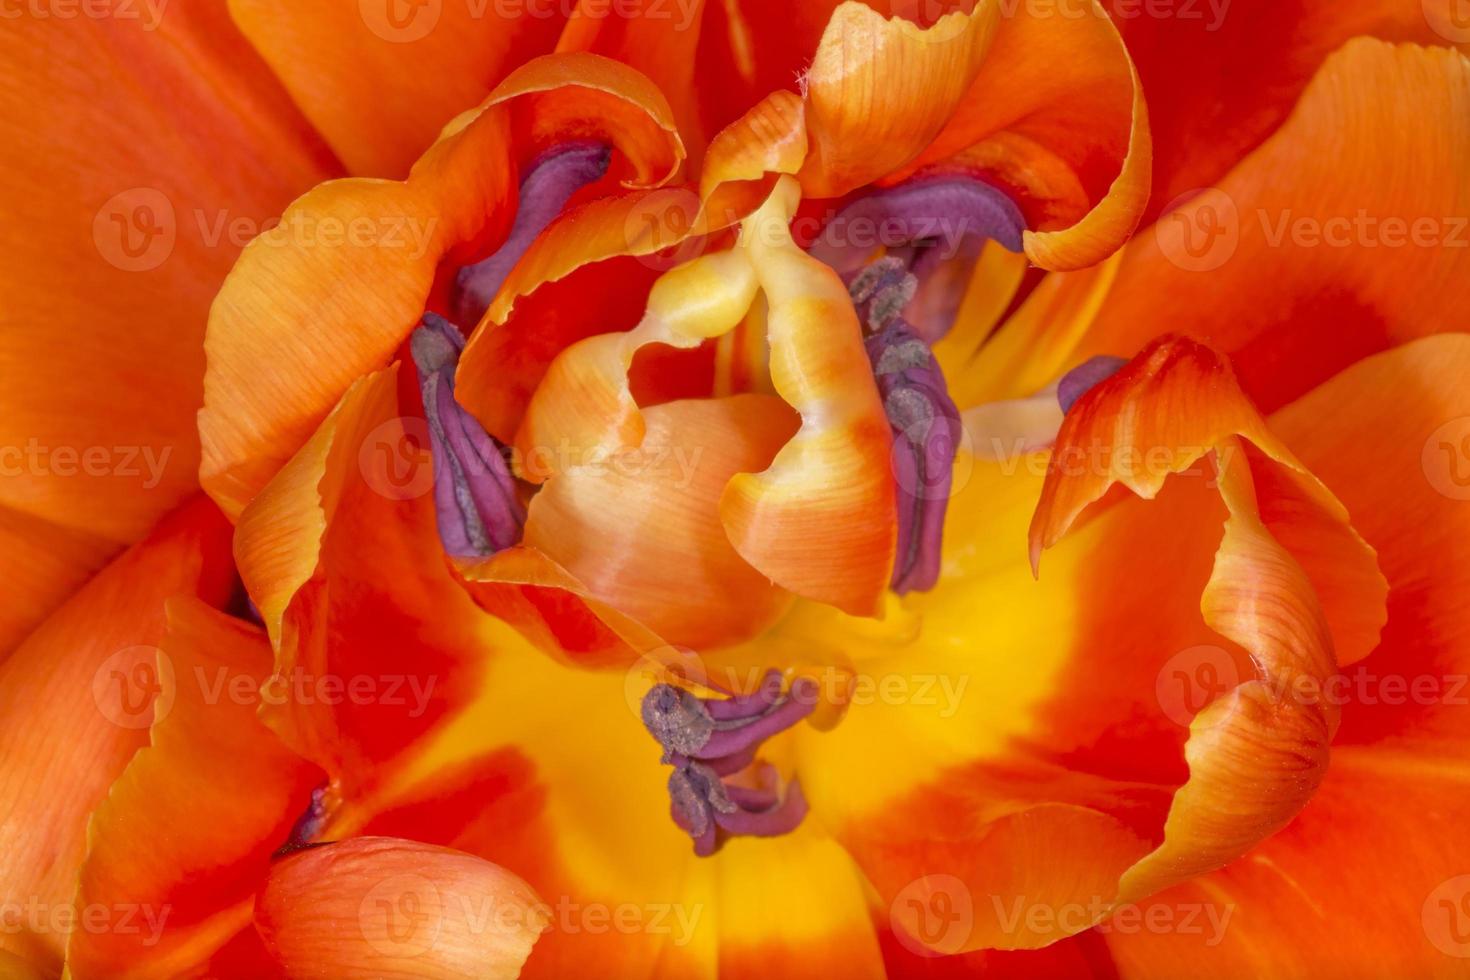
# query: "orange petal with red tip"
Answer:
x=1220 y=82
x=121 y=218
x=1385 y=435
x=819 y=521
x=330 y=294
x=342 y=557
x=380 y=80
x=76 y=699
x=1328 y=242
x=1058 y=92
x=186 y=834
x=379 y=906
x=880 y=89
x=1256 y=754
x=641 y=527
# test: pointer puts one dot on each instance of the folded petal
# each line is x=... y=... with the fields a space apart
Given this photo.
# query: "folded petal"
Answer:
x=1058 y=95
x=77 y=698
x=341 y=555
x=641 y=529
x=379 y=80
x=881 y=88
x=377 y=906
x=214 y=794
x=122 y=218
x=1327 y=243
x=330 y=293
x=807 y=520
x=1379 y=833
x=1257 y=753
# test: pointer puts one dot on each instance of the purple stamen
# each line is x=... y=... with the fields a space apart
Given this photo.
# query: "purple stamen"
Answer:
x=948 y=216
x=930 y=224
x=706 y=739
x=476 y=505
x=926 y=424
x=1086 y=376
x=553 y=179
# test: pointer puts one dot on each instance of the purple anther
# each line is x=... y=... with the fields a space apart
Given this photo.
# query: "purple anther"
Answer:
x=475 y=500
x=944 y=216
x=705 y=739
x=935 y=227
x=1086 y=376
x=925 y=422
x=308 y=826
x=553 y=179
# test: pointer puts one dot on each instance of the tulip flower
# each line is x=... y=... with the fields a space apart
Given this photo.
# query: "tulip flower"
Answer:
x=681 y=488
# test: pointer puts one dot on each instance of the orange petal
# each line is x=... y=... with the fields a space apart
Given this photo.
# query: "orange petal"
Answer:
x=1256 y=754
x=77 y=698
x=641 y=527
x=1328 y=242
x=818 y=520
x=213 y=795
x=880 y=89
x=341 y=556
x=121 y=221
x=1058 y=94
x=330 y=294
x=1393 y=797
x=1220 y=81
x=377 y=906
x=658 y=38
x=380 y=80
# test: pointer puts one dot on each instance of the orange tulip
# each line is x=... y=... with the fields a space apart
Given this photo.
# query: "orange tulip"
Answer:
x=739 y=488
